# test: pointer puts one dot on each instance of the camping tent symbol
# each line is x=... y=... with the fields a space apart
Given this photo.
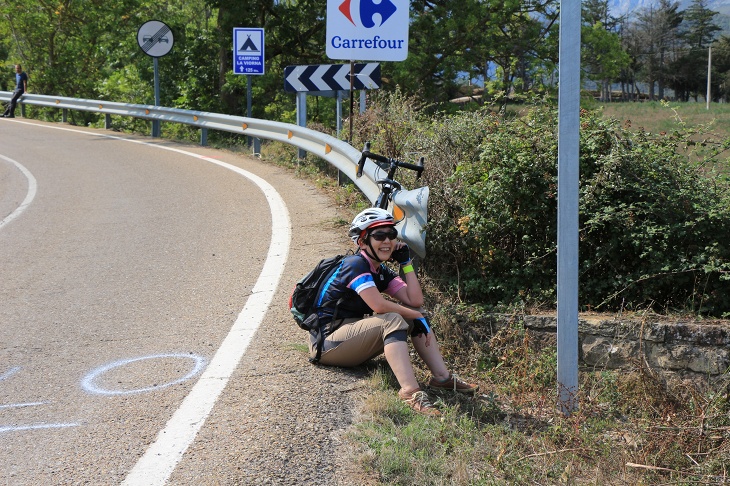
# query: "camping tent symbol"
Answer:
x=248 y=46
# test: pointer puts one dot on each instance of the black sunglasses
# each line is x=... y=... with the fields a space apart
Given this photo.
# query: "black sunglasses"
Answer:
x=391 y=234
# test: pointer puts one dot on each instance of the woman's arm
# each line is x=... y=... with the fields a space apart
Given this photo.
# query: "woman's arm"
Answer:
x=411 y=294
x=380 y=305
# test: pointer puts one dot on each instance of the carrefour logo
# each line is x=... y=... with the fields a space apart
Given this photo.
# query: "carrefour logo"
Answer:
x=368 y=12
x=368 y=30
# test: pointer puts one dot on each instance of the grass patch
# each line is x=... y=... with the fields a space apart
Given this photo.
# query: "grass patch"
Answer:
x=299 y=348
x=630 y=428
x=656 y=117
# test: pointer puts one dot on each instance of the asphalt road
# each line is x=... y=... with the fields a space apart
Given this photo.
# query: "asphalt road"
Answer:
x=124 y=267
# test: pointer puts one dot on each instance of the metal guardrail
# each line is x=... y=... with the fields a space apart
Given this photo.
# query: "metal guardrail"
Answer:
x=336 y=152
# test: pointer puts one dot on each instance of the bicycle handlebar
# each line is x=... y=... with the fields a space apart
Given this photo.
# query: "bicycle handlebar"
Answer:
x=361 y=163
x=367 y=154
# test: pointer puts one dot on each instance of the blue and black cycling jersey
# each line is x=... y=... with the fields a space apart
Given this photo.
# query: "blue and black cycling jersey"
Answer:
x=355 y=274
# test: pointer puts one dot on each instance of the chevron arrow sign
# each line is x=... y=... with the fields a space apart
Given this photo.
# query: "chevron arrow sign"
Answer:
x=331 y=77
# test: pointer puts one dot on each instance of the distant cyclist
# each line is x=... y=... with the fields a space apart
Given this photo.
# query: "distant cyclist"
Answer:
x=367 y=324
x=21 y=87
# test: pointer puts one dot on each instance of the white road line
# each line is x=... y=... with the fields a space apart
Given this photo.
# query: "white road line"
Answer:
x=161 y=458
x=21 y=405
x=16 y=428
x=9 y=373
x=32 y=189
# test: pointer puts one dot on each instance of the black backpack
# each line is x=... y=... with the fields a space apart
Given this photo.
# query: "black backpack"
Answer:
x=306 y=293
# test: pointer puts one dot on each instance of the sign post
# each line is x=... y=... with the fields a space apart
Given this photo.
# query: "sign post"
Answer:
x=568 y=200
x=367 y=31
x=155 y=39
x=248 y=59
x=329 y=78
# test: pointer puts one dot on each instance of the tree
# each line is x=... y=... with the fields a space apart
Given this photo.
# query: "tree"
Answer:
x=603 y=57
x=721 y=66
x=689 y=69
x=699 y=29
x=655 y=37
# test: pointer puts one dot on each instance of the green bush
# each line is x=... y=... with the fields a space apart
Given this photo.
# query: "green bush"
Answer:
x=654 y=225
x=654 y=221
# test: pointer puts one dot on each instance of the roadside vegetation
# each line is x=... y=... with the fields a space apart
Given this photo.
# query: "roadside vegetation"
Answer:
x=655 y=216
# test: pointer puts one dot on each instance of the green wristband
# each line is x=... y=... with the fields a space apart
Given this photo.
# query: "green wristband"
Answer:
x=407 y=269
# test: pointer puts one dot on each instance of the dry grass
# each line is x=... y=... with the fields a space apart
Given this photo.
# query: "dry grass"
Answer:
x=630 y=428
x=656 y=117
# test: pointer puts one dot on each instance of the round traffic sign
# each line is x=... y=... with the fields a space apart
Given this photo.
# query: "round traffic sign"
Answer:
x=155 y=38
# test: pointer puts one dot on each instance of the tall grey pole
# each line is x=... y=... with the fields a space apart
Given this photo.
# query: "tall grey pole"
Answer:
x=248 y=103
x=338 y=113
x=302 y=116
x=568 y=182
x=709 y=75
x=156 y=123
x=352 y=99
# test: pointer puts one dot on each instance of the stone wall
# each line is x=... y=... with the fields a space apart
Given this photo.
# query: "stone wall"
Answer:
x=695 y=350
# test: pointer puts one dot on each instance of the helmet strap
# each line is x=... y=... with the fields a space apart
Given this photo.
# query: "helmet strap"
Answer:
x=370 y=245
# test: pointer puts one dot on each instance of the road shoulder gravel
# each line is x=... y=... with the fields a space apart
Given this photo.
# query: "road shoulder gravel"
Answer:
x=281 y=420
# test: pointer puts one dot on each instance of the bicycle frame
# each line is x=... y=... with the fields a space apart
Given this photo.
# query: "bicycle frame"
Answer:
x=389 y=185
x=409 y=208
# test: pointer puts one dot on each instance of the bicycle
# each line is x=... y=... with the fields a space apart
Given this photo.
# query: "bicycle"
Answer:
x=409 y=208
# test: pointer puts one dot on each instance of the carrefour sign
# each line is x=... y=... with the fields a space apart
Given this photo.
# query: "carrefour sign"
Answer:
x=367 y=30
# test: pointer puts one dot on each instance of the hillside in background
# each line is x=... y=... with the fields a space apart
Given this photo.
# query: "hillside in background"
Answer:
x=632 y=7
x=620 y=7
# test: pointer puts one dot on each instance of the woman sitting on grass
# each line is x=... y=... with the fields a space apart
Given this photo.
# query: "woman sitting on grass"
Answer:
x=367 y=324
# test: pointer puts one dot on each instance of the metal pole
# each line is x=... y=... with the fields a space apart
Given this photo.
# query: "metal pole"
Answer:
x=338 y=113
x=362 y=101
x=568 y=183
x=156 y=123
x=248 y=102
x=352 y=94
x=709 y=75
x=302 y=116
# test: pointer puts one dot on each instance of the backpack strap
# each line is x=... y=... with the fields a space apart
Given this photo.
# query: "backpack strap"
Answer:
x=332 y=326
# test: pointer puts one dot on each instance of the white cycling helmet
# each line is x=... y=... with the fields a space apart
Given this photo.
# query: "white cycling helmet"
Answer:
x=370 y=218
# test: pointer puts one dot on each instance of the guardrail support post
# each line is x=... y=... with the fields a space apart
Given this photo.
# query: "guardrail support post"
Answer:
x=107 y=121
x=203 y=137
x=64 y=115
x=302 y=116
x=256 y=146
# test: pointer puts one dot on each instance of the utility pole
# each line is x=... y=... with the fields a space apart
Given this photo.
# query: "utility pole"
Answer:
x=709 y=75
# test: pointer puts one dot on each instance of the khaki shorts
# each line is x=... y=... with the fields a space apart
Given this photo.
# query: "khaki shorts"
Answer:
x=358 y=340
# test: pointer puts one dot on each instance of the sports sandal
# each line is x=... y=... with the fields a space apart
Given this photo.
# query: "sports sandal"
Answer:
x=453 y=383
x=419 y=401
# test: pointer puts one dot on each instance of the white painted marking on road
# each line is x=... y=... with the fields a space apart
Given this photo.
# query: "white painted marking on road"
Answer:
x=21 y=405
x=9 y=373
x=30 y=195
x=88 y=382
x=161 y=458
x=16 y=428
